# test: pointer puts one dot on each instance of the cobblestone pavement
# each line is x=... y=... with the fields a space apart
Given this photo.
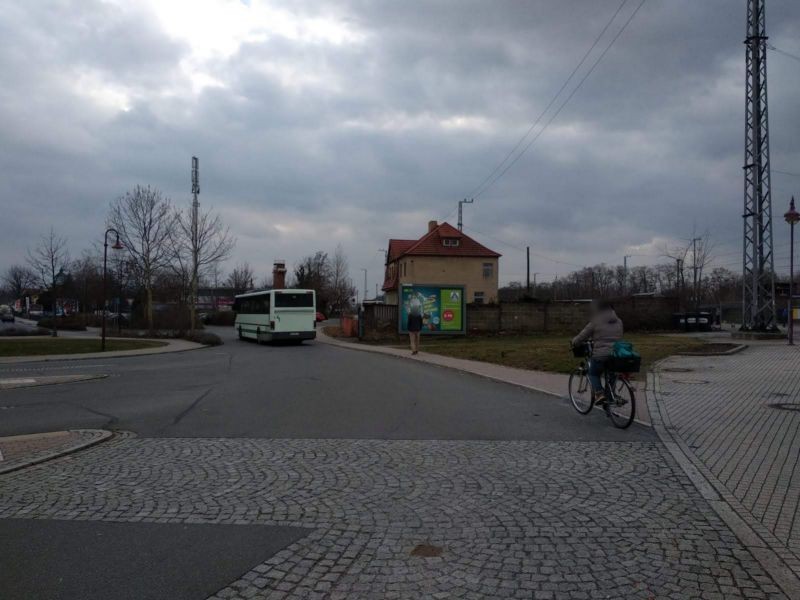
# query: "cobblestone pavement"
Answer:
x=740 y=415
x=513 y=519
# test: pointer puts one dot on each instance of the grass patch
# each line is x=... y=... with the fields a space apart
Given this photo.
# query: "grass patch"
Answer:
x=41 y=347
x=549 y=352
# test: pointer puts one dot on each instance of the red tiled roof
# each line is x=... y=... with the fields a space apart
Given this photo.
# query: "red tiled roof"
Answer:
x=431 y=245
x=399 y=247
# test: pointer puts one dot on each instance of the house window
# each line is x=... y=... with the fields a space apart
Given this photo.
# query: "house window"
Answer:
x=405 y=269
x=477 y=297
x=452 y=242
x=488 y=270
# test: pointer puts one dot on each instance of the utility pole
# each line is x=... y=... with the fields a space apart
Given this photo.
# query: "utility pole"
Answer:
x=694 y=273
x=461 y=204
x=365 y=282
x=625 y=274
x=679 y=280
x=758 y=272
x=528 y=279
x=195 y=249
x=534 y=284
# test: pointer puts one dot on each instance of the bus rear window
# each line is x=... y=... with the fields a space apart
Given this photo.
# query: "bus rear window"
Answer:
x=289 y=300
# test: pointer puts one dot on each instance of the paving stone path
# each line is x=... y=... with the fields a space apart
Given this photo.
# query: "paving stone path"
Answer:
x=512 y=519
x=740 y=415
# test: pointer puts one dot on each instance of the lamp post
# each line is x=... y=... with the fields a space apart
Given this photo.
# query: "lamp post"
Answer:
x=117 y=246
x=365 y=283
x=58 y=279
x=792 y=217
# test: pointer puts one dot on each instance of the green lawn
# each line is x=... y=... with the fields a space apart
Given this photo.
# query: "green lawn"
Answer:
x=40 y=347
x=548 y=352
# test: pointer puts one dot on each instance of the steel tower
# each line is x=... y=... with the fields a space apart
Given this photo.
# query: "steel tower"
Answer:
x=758 y=299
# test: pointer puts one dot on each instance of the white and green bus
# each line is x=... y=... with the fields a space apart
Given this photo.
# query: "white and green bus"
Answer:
x=276 y=315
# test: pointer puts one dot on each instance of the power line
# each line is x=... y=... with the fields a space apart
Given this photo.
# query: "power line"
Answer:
x=790 y=174
x=519 y=155
x=522 y=249
x=779 y=51
x=477 y=189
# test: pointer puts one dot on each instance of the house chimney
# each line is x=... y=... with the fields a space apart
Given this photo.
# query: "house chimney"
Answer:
x=432 y=225
x=279 y=275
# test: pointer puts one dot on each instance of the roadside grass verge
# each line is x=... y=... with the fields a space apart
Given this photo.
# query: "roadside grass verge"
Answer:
x=549 y=352
x=41 y=347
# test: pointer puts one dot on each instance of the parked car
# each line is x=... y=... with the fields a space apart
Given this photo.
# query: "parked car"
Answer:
x=320 y=317
x=6 y=314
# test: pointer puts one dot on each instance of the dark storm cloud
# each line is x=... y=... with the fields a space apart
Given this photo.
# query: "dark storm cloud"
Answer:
x=307 y=142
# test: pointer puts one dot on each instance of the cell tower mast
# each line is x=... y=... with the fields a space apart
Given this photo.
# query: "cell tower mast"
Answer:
x=758 y=297
x=195 y=240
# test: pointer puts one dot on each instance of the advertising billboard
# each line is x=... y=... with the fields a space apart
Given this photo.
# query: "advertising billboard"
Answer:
x=442 y=307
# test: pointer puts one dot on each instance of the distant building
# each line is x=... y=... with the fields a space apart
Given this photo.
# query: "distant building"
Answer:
x=444 y=255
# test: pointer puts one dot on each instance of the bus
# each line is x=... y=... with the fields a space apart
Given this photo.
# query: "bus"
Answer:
x=276 y=315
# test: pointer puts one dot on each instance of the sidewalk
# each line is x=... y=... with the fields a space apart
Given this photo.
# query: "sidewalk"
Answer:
x=737 y=420
x=553 y=384
x=20 y=451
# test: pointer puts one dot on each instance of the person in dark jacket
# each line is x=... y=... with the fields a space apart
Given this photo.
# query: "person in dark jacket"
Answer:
x=414 y=326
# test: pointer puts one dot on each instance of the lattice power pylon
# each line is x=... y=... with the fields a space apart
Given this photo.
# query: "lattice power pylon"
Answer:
x=758 y=301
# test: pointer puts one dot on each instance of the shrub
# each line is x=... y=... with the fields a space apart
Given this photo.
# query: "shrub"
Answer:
x=206 y=338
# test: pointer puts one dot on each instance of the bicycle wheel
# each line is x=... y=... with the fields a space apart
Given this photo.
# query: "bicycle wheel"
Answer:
x=622 y=404
x=580 y=391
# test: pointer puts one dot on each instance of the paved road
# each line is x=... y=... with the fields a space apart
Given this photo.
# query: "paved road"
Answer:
x=16 y=325
x=241 y=389
x=361 y=476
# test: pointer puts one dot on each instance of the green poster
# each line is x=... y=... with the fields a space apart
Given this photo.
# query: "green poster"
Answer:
x=451 y=309
x=441 y=308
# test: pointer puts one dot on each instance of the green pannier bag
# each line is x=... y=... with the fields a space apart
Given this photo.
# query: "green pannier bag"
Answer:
x=624 y=359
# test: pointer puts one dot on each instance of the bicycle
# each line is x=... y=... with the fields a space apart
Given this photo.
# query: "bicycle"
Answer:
x=620 y=404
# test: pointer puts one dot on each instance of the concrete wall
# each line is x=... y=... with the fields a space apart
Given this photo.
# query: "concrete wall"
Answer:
x=638 y=314
x=451 y=270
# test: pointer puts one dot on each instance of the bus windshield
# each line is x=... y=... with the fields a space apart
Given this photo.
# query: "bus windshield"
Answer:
x=294 y=300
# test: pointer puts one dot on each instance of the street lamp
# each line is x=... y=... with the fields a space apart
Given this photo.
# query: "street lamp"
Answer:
x=117 y=246
x=58 y=279
x=792 y=217
x=365 y=282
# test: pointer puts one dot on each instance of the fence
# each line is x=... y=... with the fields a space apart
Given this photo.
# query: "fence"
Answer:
x=637 y=313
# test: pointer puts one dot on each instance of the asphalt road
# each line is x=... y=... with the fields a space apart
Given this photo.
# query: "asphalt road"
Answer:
x=16 y=325
x=315 y=390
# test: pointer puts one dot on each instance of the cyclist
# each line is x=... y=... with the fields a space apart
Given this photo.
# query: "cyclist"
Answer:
x=604 y=328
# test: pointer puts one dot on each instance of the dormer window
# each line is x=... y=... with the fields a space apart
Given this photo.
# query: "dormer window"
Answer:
x=450 y=242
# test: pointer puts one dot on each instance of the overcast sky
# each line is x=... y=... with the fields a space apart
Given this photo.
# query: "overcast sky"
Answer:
x=355 y=121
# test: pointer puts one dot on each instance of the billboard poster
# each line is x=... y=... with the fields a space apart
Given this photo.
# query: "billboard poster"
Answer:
x=442 y=308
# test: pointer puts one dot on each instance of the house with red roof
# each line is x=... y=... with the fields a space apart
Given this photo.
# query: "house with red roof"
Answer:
x=443 y=256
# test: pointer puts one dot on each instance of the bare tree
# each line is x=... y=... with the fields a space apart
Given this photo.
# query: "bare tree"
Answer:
x=241 y=278
x=145 y=221
x=47 y=259
x=341 y=286
x=266 y=282
x=213 y=245
x=18 y=278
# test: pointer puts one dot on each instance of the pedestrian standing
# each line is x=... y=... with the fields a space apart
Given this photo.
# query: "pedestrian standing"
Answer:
x=414 y=327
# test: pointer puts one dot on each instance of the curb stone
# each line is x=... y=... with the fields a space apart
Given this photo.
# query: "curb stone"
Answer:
x=778 y=561
x=88 y=437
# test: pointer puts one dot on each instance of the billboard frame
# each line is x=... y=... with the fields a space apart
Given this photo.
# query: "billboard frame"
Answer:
x=440 y=286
